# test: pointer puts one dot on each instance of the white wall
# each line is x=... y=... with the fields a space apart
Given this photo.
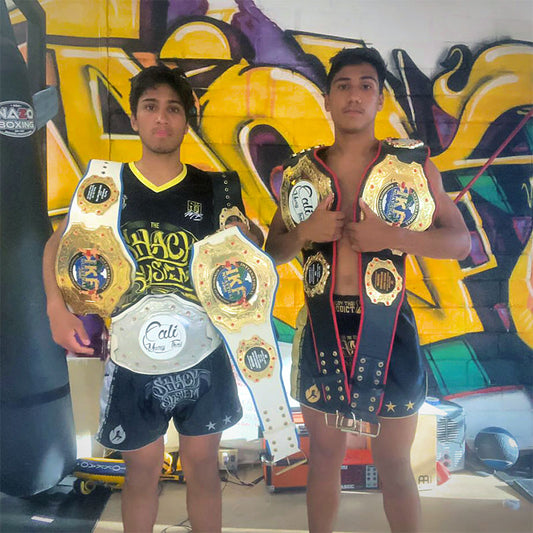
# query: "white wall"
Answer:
x=423 y=28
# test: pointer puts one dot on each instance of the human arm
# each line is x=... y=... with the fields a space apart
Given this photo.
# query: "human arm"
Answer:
x=63 y=324
x=322 y=226
x=446 y=238
x=254 y=233
x=232 y=188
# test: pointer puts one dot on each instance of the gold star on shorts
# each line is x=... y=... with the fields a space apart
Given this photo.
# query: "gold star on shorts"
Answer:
x=390 y=407
x=409 y=405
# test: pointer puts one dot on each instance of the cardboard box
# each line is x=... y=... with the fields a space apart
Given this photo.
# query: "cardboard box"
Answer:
x=424 y=450
x=85 y=376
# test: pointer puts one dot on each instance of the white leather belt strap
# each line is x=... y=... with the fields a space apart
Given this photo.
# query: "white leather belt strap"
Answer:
x=161 y=334
x=236 y=284
x=97 y=195
x=94 y=267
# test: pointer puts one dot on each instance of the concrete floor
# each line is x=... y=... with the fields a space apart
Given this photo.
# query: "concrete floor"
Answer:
x=466 y=503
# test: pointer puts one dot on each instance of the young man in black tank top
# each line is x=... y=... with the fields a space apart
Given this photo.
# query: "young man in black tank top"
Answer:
x=333 y=239
x=167 y=206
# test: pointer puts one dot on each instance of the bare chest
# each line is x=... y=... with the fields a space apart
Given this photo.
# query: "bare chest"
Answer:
x=349 y=181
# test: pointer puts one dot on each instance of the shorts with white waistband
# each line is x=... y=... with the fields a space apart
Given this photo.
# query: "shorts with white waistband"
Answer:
x=136 y=408
x=406 y=384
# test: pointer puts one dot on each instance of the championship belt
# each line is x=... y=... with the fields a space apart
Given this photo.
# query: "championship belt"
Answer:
x=94 y=267
x=161 y=334
x=303 y=187
x=397 y=190
x=236 y=284
x=306 y=182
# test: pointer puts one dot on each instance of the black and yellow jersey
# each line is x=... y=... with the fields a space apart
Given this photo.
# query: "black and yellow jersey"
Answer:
x=160 y=226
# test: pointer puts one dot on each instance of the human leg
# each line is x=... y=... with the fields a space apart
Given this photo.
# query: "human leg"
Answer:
x=141 y=489
x=327 y=450
x=391 y=452
x=200 y=424
x=199 y=458
x=133 y=424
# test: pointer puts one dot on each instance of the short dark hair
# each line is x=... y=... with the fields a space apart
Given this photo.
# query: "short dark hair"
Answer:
x=356 y=56
x=160 y=74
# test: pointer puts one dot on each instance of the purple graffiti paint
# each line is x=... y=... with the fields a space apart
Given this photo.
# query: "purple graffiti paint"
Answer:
x=185 y=8
x=272 y=45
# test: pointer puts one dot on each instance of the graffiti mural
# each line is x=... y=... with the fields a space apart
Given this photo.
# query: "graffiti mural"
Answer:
x=259 y=99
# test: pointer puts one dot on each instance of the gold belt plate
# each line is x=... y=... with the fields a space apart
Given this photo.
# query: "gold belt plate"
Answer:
x=257 y=359
x=92 y=271
x=97 y=194
x=383 y=283
x=399 y=193
x=303 y=187
x=234 y=280
x=315 y=275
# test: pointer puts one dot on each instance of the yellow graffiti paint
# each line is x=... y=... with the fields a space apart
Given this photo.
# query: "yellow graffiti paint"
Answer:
x=63 y=172
x=491 y=262
x=243 y=98
x=500 y=79
x=392 y=120
x=323 y=47
x=224 y=14
x=290 y=296
x=440 y=300
x=81 y=71
x=89 y=18
x=246 y=97
x=196 y=40
x=86 y=73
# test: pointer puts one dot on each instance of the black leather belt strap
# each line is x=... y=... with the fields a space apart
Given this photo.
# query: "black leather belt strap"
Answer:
x=322 y=319
x=226 y=192
x=355 y=400
x=382 y=291
x=319 y=282
x=374 y=343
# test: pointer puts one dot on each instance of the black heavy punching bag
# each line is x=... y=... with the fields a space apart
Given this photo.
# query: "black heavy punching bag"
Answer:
x=37 y=436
